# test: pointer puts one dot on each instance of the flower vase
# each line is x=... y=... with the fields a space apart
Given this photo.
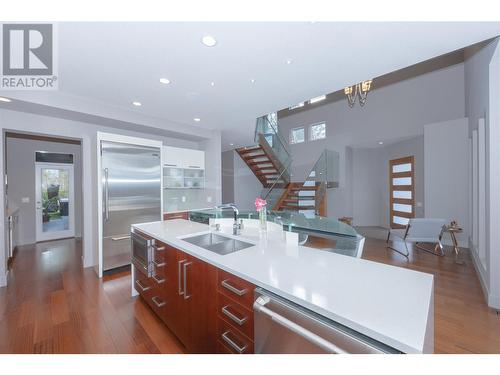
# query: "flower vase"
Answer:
x=263 y=219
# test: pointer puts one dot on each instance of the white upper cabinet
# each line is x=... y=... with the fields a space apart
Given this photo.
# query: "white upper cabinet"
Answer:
x=183 y=158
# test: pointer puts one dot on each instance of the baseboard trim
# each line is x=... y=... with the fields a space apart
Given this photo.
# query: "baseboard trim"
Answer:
x=481 y=273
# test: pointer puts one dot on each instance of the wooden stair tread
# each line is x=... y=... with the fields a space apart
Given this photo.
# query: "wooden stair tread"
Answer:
x=305 y=188
x=249 y=150
x=299 y=207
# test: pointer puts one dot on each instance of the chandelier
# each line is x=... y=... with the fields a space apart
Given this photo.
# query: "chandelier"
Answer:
x=358 y=90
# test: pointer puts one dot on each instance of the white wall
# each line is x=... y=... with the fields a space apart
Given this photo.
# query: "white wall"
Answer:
x=446 y=163
x=482 y=99
x=367 y=186
x=86 y=132
x=370 y=180
x=227 y=158
x=392 y=112
x=20 y=155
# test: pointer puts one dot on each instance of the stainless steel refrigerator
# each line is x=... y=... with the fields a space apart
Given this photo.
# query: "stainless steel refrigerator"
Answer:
x=131 y=194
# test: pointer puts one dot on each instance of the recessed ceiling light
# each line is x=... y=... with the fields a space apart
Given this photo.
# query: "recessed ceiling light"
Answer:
x=289 y=61
x=209 y=41
x=381 y=143
x=137 y=104
x=197 y=119
x=165 y=81
x=212 y=84
x=231 y=144
x=252 y=80
x=6 y=100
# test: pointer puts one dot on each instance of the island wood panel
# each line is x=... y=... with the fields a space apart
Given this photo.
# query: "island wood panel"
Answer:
x=176 y=215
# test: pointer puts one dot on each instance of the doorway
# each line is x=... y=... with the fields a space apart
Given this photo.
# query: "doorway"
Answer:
x=54 y=192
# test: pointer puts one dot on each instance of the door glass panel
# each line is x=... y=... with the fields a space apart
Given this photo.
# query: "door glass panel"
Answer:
x=402 y=194
x=401 y=181
x=401 y=168
x=401 y=207
x=55 y=199
x=400 y=220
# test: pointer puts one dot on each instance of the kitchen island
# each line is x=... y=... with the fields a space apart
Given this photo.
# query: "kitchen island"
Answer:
x=391 y=305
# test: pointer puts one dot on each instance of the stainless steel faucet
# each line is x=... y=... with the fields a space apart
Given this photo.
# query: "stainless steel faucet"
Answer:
x=236 y=226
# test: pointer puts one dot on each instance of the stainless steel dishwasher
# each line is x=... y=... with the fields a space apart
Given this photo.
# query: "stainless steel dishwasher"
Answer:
x=281 y=327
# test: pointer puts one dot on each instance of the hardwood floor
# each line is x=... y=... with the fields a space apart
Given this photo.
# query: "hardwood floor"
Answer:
x=463 y=323
x=52 y=305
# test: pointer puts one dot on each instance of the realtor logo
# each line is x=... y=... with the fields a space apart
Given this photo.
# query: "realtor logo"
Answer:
x=28 y=57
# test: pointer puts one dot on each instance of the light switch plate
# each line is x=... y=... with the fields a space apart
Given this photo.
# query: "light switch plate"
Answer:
x=209 y=199
x=25 y=199
x=183 y=199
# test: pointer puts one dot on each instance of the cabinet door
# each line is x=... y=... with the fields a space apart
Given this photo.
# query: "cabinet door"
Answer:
x=194 y=159
x=201 y=293
x=172 y=156
x=195 y=321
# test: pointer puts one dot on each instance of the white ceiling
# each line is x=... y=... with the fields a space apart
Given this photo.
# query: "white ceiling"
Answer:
x=116 y=63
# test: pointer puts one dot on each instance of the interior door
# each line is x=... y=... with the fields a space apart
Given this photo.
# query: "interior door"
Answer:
x=402 y=191
x=55 y=208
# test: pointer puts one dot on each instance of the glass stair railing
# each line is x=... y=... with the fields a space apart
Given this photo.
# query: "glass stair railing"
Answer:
x=309 y=197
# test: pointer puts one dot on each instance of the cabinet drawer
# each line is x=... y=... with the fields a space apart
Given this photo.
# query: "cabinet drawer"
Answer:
x=176 y=215
x=235 y=288
x=158 y=302
x=142 y=283
x=235 y=314
x=232 y=339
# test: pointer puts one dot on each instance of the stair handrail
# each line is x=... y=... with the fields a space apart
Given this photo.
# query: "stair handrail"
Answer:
x=271 y=188
x=270 y=121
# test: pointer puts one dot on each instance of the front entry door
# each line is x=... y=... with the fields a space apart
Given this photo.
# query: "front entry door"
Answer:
x=55 y=208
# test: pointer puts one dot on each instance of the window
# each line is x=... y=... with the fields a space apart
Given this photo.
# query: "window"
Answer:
x=317 y=99
x=317 y=131
x=297 y=135
x=402 y=191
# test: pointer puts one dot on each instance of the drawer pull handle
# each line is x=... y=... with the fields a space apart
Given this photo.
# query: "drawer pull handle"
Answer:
x=234 y=318
x=159 y=281
x=157 y=302
x=142 y=287
x=240 y=292
x=179 y=272
x=158 y=264
x=232 y=344
x=158 y=248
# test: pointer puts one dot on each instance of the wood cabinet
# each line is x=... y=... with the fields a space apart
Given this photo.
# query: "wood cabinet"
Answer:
x=176 y=215
x=208 y=309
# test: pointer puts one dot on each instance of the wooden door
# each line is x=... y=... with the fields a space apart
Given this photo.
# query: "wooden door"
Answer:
x=402 y=191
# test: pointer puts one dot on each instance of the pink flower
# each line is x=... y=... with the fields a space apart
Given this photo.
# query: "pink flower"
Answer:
x=259 y=203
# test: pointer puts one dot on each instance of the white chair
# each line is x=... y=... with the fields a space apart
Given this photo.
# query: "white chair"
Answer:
x=420 y=230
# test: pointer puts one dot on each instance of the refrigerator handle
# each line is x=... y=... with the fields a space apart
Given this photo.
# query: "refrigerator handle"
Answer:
x=106 y=195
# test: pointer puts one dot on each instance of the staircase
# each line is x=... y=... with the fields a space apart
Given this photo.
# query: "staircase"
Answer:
x=270 y=161
x=303 y=198
x=263 y=162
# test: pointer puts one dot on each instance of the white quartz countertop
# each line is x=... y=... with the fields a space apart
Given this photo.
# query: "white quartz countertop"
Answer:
x=390 y=304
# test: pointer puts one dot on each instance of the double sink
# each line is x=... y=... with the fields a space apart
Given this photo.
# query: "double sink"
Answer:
x=218 y=244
